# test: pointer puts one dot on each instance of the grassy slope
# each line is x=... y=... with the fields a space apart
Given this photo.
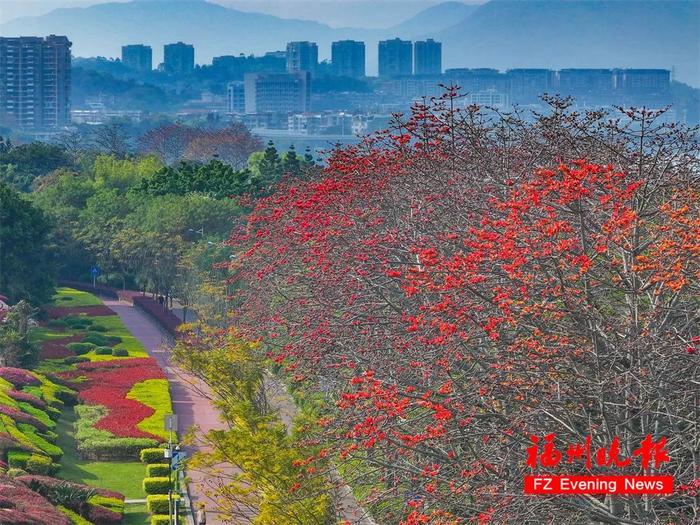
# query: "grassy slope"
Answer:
x=71 y=297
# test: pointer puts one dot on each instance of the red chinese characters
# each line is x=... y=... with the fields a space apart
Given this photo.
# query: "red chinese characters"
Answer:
x=549 y=456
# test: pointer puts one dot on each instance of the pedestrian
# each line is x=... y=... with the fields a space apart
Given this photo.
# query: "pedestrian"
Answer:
x=201 y=515
x=161 y=299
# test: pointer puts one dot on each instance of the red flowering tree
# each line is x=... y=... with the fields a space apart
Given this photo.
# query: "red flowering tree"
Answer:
x=460 y=283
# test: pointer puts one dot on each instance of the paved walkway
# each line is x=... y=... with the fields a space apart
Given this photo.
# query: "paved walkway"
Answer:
x=191 y=403
x=189 y=396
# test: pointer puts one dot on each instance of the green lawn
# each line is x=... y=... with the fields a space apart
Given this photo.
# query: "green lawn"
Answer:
x=136 y=514
x=71 y=297
x=122 y=476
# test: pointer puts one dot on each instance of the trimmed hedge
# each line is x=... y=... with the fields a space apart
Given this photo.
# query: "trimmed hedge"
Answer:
x=158 y=503
x=159 y=485
x=114 y=449
x=98 y=328
x=152 y=455
x=80 y=348
x=103 y=350
x=165 y=318
x=155 y=470
x=96 y=339
x=120 y=352
x=161 y=519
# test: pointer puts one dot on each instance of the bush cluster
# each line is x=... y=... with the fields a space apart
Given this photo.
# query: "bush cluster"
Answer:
x=155 y=470
x=80 y=348
x=96 y=339
x=158 y=485
x=152 y=455
x=158 y=503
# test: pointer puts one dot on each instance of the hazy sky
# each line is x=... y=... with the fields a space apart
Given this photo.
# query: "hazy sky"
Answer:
x=336 y=13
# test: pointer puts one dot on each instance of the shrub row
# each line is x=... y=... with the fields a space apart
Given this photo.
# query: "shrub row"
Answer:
x=157 y=470
x=157 y=485
x=165 y=318
x=158 y=503
x=152 y=455
x=163 y=519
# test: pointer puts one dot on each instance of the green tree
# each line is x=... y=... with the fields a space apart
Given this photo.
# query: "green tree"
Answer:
x=110 y=171
x=266 y=165
x=26 y=267
x=291 y=164
x=15 y=347
x=21 y=165
x=215 y=179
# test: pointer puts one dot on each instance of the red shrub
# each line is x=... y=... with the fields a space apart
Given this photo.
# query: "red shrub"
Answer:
x=21 y=506
x=7 y=442
x=165 y=318
x=58 y=312
x=18 y=377
x=28 y=398
x=56 y=349
x=46 y=482
x=22 y=417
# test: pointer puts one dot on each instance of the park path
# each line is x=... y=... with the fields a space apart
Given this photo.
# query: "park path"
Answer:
x=191 y=400
x=190 y=397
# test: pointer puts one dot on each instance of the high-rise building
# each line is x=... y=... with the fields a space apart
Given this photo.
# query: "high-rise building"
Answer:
x=236 y=97
x=644 y=81
x=178 y=58
x=35 y=82
x=348 y=58
x=427 y=57
x=528 y=85
x=277 y=92
x=302 y=56
x=395 y=58
x=138 y=57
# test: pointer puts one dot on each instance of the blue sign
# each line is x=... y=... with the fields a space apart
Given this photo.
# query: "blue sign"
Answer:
x=95 y=271
x=178 y=458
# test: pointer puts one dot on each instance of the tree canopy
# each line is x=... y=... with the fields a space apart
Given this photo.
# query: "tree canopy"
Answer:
x=27 y=268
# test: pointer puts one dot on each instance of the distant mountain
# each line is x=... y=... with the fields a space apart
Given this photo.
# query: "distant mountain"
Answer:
x=433 y=19
x=573 y=33
x=214 y=30
x=501 y=33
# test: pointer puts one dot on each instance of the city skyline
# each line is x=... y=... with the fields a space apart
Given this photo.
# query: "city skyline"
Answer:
x=492 y=34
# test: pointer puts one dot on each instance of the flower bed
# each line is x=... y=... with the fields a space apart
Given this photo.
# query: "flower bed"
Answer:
x=20 y=417
x=18 y=377
x=104 y=506
x=20 y=505
x=56 y=312
x=107 y=383
x=26 y=397
x=57 y=349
